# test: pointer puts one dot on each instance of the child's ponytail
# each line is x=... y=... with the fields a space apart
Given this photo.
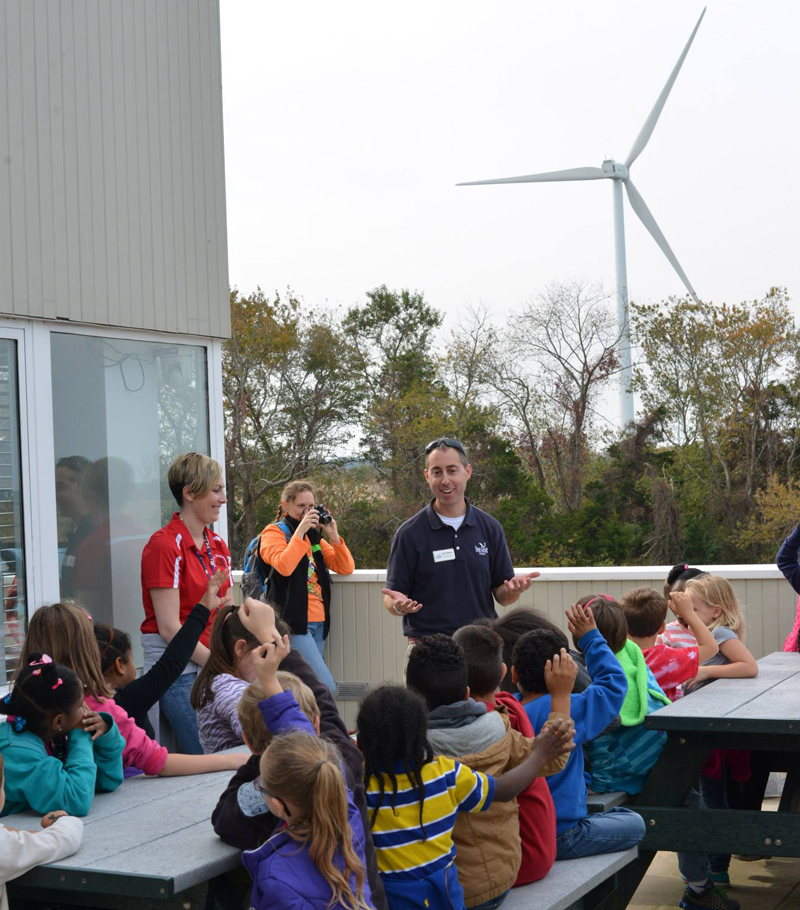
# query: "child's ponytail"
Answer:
x=306 y=771
x=328 y=823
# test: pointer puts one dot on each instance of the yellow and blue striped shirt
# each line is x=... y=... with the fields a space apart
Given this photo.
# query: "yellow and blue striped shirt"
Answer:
x=449 y=787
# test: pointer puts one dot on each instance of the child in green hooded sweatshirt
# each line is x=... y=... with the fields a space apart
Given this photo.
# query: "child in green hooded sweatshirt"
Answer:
x=621 y=758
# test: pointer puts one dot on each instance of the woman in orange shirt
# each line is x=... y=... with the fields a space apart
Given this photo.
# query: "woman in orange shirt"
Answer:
x=300 y=584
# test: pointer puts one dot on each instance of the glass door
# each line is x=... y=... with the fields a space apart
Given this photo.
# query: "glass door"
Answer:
x=12 y=542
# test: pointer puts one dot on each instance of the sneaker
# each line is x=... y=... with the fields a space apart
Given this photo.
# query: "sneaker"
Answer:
x=720 y=878
x=711 y=898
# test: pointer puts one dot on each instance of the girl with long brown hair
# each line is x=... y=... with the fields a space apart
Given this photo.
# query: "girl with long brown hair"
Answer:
x=316 y=857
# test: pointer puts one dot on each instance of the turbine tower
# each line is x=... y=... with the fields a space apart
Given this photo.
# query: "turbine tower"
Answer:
x=620 y=174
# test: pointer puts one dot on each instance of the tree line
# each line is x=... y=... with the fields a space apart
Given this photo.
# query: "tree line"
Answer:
x=350 y=397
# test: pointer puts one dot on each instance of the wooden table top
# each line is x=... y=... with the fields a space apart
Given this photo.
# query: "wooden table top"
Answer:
x=770 y=703
x=152 y=833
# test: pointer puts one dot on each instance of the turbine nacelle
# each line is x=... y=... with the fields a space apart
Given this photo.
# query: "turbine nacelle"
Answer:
x=615 y=170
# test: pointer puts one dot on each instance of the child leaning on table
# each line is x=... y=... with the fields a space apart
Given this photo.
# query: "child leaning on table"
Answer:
x=316 y=858
x=56 y=751
x=646 y=612
x=677 y=634
x=21 y=851
x=65 y=630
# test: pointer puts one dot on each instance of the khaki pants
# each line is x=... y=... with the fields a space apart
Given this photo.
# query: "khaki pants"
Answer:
x=411 y=643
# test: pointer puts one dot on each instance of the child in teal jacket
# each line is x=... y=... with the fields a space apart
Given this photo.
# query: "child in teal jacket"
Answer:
x=56 y=752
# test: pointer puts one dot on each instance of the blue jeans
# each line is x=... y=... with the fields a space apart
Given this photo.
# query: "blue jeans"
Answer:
x=181 y=715
x=494 y=903
x=695 y=867
x=615 y=829
x=310 y=646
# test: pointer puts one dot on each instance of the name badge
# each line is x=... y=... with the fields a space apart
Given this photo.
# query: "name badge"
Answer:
x=69 y=561
x=444 y=555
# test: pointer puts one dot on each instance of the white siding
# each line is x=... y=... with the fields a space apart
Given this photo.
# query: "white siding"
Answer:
x=112 y=195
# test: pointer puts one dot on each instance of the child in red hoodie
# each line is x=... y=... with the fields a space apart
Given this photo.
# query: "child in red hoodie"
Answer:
x=537 y=815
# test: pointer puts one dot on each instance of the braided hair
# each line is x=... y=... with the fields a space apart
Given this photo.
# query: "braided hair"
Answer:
x=393 y=727
x=42 y=688
x=113 y=644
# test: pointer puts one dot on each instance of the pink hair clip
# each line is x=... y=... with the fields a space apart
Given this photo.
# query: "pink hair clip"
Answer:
x=58 y=683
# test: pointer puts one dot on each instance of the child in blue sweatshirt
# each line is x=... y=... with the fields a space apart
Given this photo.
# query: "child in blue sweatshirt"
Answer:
x=56 y=751
x=316 y=859
x=578 y=833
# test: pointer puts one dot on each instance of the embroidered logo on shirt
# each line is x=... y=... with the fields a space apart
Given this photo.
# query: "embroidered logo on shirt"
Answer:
x=481 y=549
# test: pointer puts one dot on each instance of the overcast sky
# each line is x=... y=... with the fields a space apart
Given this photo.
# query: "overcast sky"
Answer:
x=347 y=125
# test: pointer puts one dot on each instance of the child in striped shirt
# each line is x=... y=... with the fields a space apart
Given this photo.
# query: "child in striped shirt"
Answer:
x=413 y=796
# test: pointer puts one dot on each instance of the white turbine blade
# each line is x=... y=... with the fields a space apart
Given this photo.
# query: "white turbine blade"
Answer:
x=574 y=173
x=645 y=216
x=652 y=120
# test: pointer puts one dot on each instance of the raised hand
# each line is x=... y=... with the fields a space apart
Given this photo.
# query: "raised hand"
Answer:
x=680 y=602
x=211 y=598
x=259 y=618
x=580 y=621
x=559 y=674
x=266 y=660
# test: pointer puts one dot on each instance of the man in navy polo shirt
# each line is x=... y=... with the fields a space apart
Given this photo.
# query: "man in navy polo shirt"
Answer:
x=449 y=563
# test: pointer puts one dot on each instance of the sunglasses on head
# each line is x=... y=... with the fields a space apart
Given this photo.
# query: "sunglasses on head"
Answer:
x=444 y=440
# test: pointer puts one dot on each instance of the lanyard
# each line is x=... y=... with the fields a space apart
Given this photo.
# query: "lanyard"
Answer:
x=209 y=575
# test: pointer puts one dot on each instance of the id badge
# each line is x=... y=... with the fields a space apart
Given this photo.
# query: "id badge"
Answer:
x=444 y=555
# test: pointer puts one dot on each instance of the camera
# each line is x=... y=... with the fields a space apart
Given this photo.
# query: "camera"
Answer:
x=325 y=517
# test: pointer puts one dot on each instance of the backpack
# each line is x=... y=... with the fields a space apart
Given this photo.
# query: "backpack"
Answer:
x=256 y=574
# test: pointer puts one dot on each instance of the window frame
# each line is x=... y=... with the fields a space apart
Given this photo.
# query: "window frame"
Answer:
x=37 y=444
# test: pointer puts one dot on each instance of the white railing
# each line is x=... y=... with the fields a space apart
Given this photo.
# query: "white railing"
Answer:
x=366 y=644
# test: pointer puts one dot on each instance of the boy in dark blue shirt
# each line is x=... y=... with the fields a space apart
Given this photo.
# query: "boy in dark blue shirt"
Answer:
x=578 y=833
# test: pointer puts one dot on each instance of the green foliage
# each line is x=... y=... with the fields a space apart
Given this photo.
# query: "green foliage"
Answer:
x=709 y=474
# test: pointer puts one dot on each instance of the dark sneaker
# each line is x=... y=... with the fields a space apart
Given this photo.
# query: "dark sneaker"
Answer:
x=711 y=898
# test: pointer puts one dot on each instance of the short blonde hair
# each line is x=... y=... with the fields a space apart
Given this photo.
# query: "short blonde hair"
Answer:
x=197 y=472
x=250 y=718
x=718 y=592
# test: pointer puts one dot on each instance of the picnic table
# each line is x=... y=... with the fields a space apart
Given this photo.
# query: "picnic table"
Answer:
x=149 y=840
x=747 y=714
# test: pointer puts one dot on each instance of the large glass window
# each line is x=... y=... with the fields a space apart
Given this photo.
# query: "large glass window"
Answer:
x=12 y=550
x=122 y=411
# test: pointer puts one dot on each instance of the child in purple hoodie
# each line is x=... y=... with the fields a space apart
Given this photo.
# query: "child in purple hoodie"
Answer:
x=315 y=859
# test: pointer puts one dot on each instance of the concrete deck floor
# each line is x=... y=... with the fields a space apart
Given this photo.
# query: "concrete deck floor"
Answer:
x=772 y=884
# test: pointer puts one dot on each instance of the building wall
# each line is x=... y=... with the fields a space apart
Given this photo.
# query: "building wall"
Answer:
x=112 y=186
x=366 y=644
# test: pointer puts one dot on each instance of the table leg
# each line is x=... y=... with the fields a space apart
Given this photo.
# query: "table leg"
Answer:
x=790 y=799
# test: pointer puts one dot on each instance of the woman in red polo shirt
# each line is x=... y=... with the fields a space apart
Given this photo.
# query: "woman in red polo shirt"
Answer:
x=177 y=564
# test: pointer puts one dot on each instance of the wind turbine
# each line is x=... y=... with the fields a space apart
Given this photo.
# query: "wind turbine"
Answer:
x=620 y=175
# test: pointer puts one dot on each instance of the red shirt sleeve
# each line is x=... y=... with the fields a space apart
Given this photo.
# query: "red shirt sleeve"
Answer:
x=161 y=564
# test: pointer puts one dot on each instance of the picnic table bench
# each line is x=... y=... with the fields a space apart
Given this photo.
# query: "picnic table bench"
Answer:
x=575 y=884
x=149 y=840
